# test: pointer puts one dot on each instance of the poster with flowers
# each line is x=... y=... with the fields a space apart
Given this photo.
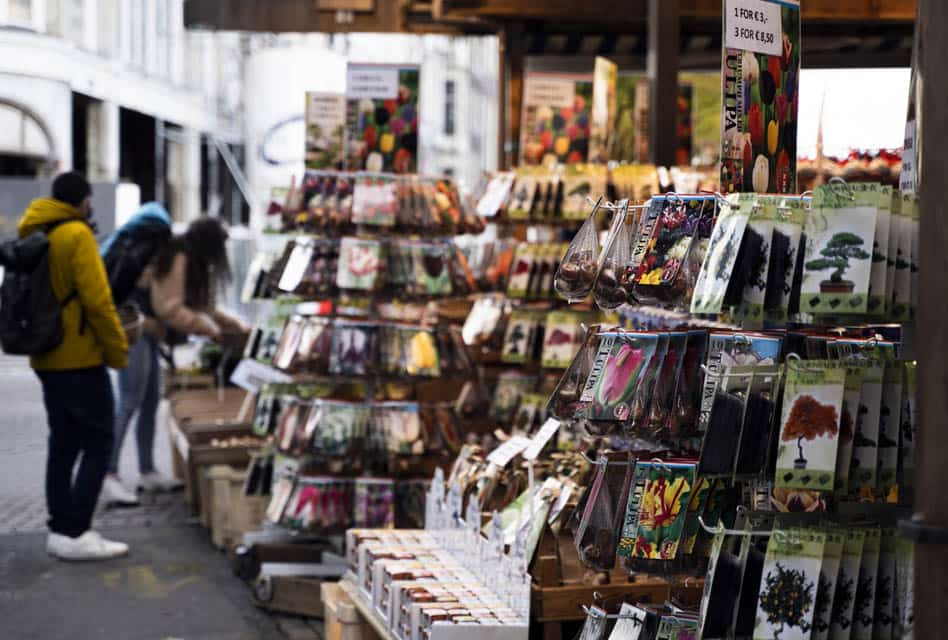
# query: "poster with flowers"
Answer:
x=555 y=122
x=760 y=76
x=602 y=133
x=325 y=130
x=382 y=117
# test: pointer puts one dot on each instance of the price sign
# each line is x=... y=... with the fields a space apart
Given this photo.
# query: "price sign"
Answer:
x=753 y=25
x=547 y=431
x=503 y=454
x=251 y=375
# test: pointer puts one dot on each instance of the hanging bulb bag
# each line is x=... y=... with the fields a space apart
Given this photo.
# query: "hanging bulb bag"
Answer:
x=615 y=272
x=666 y=383
x=723 y=431
x=564 y=400
x=598 y=532
x=576 y=274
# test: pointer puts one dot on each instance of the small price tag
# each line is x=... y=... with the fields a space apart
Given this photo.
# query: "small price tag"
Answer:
x=296 y=267
x=502 y=455
x=753 y=25
x=539 y=440
x=251 y=375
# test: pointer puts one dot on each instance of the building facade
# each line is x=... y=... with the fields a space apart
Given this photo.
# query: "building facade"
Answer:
x=119 y=90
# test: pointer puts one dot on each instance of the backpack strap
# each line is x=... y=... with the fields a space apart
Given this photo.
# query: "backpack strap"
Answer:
x=74 y=294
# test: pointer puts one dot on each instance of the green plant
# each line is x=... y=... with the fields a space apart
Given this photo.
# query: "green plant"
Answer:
x=842 y=248
x=842 y=600
x=786 y=599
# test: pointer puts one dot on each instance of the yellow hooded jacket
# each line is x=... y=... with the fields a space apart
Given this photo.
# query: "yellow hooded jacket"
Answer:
x=75 y=265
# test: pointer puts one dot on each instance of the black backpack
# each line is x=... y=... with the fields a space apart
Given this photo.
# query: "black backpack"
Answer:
x=30 y=314
x=129 y=254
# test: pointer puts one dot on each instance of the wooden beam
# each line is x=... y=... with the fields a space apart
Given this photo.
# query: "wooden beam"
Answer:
x=513 y=59
x=931 y=498
x=662 y=68
x=289 y=16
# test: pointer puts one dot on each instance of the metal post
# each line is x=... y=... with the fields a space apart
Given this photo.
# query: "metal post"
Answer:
x=662 y=64
x=931 y=560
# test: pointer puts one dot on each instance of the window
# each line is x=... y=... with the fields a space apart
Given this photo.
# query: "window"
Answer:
x=449 y=98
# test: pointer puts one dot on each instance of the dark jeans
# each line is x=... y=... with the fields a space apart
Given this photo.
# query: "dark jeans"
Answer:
x=80 y=409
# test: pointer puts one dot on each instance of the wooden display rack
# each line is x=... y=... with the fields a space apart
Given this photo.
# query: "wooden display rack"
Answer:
x=561 y=587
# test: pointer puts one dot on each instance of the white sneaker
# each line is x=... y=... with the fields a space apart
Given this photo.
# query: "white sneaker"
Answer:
x=155 y=482
x=89 y=546
x=115 y=493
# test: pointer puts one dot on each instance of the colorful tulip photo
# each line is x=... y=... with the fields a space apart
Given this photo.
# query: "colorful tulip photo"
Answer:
x=383 y=132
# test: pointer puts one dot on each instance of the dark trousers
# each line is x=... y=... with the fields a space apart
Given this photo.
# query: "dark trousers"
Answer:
x=80 y=409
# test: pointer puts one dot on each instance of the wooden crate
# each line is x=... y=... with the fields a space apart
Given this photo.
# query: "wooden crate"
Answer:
x=290 y=594
x=231 y=513
x=342 y=620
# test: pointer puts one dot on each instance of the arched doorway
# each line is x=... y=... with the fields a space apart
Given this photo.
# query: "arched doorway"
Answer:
x=26 y=144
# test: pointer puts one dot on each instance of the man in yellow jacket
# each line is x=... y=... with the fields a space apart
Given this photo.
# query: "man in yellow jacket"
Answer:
x=77 y=391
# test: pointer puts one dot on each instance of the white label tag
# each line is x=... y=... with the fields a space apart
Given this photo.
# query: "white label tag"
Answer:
x=907 y=178
x=753 y=25
x=371 y=82
x=251 y=375
x=503 y=454
x=296 y=267
x=547 y=431
x=556 y=93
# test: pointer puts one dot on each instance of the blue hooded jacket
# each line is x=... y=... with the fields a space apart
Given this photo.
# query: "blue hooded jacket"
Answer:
x=148 y=215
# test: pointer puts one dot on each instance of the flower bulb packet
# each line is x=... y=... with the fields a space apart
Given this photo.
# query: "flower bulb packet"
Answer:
x=579 y=266
x=620 y=361
x=374 y=199
x=785 y=249
x=789 y=585
x=718 y=266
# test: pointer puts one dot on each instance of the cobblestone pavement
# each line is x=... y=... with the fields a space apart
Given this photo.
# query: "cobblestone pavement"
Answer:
x=172 y=586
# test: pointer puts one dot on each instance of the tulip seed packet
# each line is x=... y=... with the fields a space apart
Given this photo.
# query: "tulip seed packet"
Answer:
x=616 y=373
x=762 y=221
x=374 y=503
x=878 y=303
x=431 y=269
x=840 y=233
x=864 y=598
x=671 y=241
x=809 y=426
x=791 y=575
x=420 y=352
x=889 y=424
x=523 y=263
x=849 y=413
x=630 y=523
x=722 y=253
x=696 y=505
x=865 y=451
x=847 y=580
x=663 y=510
x=374 y=200
x=359 y=264
x=353 y=347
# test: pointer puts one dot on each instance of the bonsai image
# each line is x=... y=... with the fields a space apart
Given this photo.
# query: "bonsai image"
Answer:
x=842 y=248
x=861 y=612
x=842 y=600
x=808 y=420
x=883 y=598
x=821 y=612
x=786 y=599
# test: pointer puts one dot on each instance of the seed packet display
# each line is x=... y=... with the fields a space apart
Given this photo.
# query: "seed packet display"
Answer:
x=300 y=254
x=720 y=589
x=864 y=598
x=562 y=337
x=619 y=363
x=315 y=345
x=579 y=266
x=520 y=338
x=602 y=517
x=353 y=348
x=662 y=511
x=338 y=428
x=840 y=232
x=696 y=506
x=826 y=588
x=908 y=426
x=511 y=385
x=791 y=216
x=753 y=448
x=864 y=462
x=266 y=413
x=279 y=497
x=847 y=583
x=719 y=261
x=374 y=200
x=727 y=349
x=359 y=264
x=420 y=352
x=721 y=437
x=285 y=355
x=432 y=274
x=320 y=504
x=901 y=293
x=847 y=424
x=520 y=271
x=638 y=423
x=760 y=224
x=565 y=400
x=884 y=616
x=809 y=426
x=374 y=503
x=663 y=397
x=889 y=424
x=287 y=423
x=523 y=195
x=400 y=425
x=687 y=402
x=878 y=303
x=789 y=586
x=578 y=184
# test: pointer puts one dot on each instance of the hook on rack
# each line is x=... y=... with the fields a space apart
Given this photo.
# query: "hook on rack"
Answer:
x=720 y=529
x=836 y=180
x=611 y=616
x=606 y=461
x=795 y=362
